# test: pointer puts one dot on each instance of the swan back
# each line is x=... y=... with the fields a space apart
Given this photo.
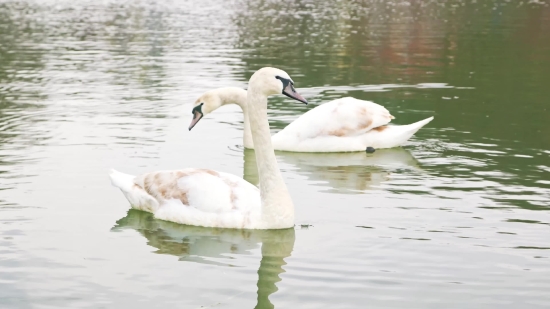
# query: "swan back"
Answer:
x=194 y=196
x=335 y=120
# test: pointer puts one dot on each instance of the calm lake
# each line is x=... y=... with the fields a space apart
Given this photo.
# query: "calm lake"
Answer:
x=457 y=218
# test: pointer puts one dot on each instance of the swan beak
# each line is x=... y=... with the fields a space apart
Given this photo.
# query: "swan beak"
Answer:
x=290 y=92
x=196 y=118
x=197 y=115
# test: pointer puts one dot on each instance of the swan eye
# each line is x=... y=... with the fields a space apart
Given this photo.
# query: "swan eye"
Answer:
x=197 y=108
x=285 y=81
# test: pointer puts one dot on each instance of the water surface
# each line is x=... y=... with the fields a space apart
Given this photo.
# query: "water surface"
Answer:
x=457 y=218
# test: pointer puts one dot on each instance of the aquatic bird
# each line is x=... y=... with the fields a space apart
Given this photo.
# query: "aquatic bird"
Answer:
x=209 y=198
x=342 y=125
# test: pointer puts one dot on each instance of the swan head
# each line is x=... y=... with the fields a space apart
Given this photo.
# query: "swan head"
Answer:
x=272 y=81
x=214 y=99
x=205 y=104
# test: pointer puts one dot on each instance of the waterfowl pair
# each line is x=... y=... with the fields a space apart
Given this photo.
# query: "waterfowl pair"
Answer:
x=342 y=125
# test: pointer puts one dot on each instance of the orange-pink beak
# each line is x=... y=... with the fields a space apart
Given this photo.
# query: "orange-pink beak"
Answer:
x=197 y=115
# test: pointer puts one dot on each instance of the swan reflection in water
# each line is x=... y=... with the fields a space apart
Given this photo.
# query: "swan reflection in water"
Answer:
x=205 y=245
x=343 y=172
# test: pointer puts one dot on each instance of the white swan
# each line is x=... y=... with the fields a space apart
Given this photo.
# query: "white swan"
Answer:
x=215 y=199
x=342 y=125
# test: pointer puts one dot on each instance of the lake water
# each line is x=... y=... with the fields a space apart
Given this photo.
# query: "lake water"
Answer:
x=457 y=218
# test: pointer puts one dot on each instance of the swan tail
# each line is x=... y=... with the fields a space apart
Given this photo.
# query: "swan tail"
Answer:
x=407 y=131
x=424 y=122
x=137 y=197
x=395 y=136
x=414 y=127
x=120 y=180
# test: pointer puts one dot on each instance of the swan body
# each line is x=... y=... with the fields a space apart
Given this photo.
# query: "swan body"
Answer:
x=194 y=197
x=342 y=125
x=209 y=198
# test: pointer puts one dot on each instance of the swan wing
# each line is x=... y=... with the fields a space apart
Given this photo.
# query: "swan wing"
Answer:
x=193 y=196
x=343 y=117
x=202 y=189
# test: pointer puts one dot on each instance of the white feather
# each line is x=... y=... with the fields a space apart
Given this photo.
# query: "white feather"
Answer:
x=385 y=137
x=138 y=198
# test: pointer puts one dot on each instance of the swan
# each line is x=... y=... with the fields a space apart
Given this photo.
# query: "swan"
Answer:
x=342 y=125
x=208 y=198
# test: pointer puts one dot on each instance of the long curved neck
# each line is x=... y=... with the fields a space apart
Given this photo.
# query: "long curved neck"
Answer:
x=234 y=95
x=277 y=206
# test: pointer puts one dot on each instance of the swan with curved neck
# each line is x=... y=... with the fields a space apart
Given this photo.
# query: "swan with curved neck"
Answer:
x=209 y=198
x=342 y=125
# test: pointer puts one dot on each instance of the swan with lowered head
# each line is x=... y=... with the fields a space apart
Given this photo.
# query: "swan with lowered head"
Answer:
x=214 y=199
x=342 y=125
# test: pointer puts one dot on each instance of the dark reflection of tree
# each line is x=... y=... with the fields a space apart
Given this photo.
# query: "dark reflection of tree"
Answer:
x=210 y=245
x=17 y=92
x=336 y=42
x=16 y=33
x=137 y=40
x=131 y=41
x=352 y=172
x=377 y=42
x=17 y=116
x=499 y=49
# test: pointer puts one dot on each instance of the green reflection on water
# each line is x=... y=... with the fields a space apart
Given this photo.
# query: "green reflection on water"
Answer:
x=482 y=69
x=206 y=245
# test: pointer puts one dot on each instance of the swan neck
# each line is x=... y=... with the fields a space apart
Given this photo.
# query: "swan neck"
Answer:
x=247 y=132
x=238 y=96
x=277 y=206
